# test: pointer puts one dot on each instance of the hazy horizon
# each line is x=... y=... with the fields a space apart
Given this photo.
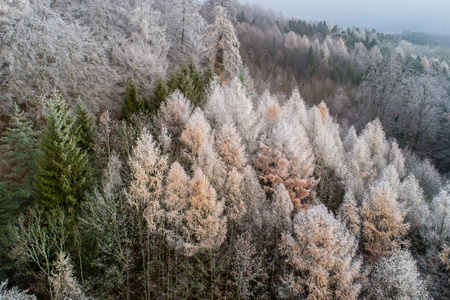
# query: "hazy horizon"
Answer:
x=383 y=15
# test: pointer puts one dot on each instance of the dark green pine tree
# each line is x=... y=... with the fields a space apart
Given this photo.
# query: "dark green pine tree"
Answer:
x=63 y=175
x=17 y=170
x=132 y=102
x=87 y=135
x=160 y=93
x=87 y=129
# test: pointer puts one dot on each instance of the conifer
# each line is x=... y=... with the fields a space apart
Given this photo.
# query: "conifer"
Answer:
x=132 y=103
x=63 y=173
x=19 y=143
x=87 y=129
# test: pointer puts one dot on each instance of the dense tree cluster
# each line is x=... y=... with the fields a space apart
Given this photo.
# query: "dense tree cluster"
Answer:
x=217 y=178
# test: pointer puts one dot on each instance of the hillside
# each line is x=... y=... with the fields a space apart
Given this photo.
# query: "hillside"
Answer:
x=172 y=150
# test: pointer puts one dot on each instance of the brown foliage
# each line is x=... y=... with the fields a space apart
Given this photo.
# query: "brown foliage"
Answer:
x=275 y=168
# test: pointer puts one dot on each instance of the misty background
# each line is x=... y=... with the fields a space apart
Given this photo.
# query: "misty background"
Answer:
x=388 y=16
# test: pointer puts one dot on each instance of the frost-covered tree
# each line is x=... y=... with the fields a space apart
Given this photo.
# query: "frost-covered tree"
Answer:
x=185 y=28
x=223 y=46
x=109 y=218
x=396 y=277
x=440 y=216
x=287 y=159
x=65 y=285
x=230 y=148
x=411 y=196
x=42 y=50
x=13 y=293
x=322 y=255
x=367 y=158
x=349 y=214
x=230 y=105
x=172 y=119
x=147 y=167
x=235 y=206
x=383 y=227
x=196 y=133
x=194 y=215
x=247 y=269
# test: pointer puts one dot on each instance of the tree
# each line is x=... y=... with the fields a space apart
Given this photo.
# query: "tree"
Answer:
x=440 y=216
x=14 y=293
x=19 y=149
x=230 y=105
x=65 y=285
x=223 y=46
x=349 y=214
x=63 y=176
x=196 y=223
x=171 y=121
x=383 y=224
x=87 y=129
x=230 y=148
x=396 y=277
x=247 y=271
x=112 y=221
x=132 y=102
x=322 y=255
x=18 y=167
x=288 y=160
x=36 y=239
x=147 y=167
x=185 y=28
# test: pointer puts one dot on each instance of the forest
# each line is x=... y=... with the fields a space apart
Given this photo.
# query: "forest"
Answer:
x=171 y=149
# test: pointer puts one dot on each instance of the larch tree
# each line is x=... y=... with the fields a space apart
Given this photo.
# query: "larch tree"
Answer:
x=440 y=216
x=175 y=204
x=171 y=120
x=288 y=159
x=148 y=168
x=230 y=105
x=367 y=158
x=197 y=221
x=383 y=226
x=63 y=176
x=322 y=255
x=349 y=214
x=412 y=198
x=223 y=46
x=397 y=277
x=230 y=147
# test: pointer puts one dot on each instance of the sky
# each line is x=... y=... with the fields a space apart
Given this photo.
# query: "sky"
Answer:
x=388 y=16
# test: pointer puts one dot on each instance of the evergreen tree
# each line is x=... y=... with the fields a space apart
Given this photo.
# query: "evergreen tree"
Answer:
x=160 y=93
x=132 y=102
x=18 y=151
x=188 y=79
x=87 y=129
x=62 y=176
